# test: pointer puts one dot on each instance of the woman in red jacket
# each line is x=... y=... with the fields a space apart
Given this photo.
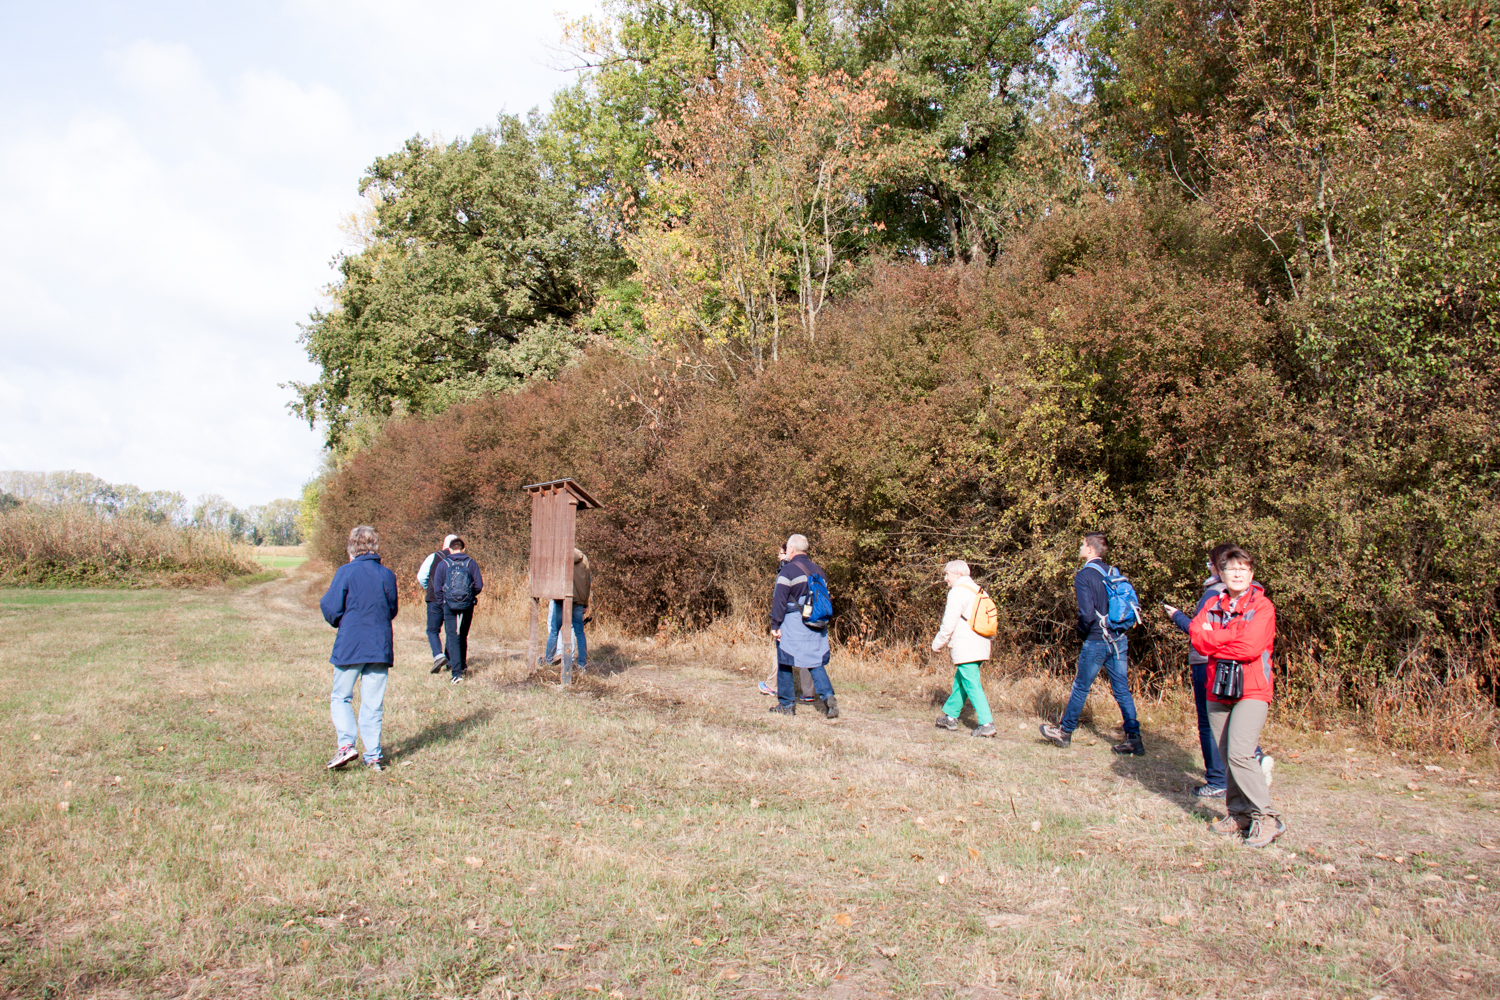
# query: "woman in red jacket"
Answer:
x=1236 y=632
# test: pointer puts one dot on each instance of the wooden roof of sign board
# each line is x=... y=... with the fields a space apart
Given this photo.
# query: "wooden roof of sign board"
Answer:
x=585 y=501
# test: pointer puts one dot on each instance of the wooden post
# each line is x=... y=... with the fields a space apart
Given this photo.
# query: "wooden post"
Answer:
x=531 y=644
x=566 y=635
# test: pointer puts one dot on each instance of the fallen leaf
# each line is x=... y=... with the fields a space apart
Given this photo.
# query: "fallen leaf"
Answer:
x=1171 y=920
x=35 y=737
x=916 y=857
x=288 y=924
x=728 y=975
x=62 y=807
x=1433 y=768
x=973 y=854
x=755 y=803
x=1413 y=786
x=562 y=947
x=697 y=942
x=593 y=988
x=1329 y=868
x=1036 y=826
x=890 y=952
x=942 y=880
x=474 y=862
x=616 y=995
x=844 y=920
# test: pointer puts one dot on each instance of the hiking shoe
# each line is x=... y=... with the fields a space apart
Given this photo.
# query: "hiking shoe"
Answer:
x=1057 y=735
x=457 y=679
x=438 y=663
x=1264 y=831
x=375 y=765
x=783 y=709
x=831 y=706
x=1267 y=762
x=1209 y=791
x=947 y=722
x=1232 y=825
x=765 y=688
x=988 y=729
x=1130 y=745
x=345 y=755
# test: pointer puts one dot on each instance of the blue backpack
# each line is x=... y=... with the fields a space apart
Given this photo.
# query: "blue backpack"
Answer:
x=1124 y=606
x=817 y=611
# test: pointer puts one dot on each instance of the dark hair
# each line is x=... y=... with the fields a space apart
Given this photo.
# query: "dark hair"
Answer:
x=1216 y=554
x=1233 y=553
x=456 y=544
x=1097 y=541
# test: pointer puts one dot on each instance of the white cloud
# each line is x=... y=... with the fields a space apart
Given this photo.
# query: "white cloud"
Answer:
x=171 y=204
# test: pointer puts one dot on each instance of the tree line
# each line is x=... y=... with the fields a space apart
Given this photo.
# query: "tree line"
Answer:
x=274 y=523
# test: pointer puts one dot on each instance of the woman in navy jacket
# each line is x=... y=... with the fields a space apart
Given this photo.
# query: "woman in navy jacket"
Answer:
x=360 y=603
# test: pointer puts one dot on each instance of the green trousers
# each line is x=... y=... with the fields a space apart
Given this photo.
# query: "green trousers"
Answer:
x=966 y=685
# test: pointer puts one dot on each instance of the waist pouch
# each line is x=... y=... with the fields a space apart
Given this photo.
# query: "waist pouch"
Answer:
x=1229 y=679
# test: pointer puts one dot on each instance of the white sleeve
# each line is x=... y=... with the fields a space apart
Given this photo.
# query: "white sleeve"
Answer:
x=952 y=615
x=426 y=570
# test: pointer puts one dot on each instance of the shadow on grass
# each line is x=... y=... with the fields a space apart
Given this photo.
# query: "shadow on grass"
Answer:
x=441 y=732
x=1168 y=769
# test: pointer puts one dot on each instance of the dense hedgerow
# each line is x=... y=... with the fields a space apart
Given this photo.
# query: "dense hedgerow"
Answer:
x=72 y=546
x=1112 y=371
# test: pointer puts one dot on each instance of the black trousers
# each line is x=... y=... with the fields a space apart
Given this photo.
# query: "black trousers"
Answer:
x=456 y=631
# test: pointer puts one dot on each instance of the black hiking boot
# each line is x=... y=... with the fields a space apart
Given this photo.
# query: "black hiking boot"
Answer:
x=1130 y=745
x=438 y=663
x=783 y=709
x=831 y=706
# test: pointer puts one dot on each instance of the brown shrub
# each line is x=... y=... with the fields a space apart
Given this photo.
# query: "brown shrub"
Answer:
x=1110 y=372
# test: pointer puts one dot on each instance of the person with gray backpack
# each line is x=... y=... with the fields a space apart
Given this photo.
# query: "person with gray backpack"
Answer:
x=458 y=581
x=1107 y=609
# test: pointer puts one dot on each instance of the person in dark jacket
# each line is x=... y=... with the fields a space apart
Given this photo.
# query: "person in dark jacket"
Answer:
x=1102 y=649
x=583 y=579
x=458 y=599
x=426 y=577
x=360 y=603
x=797 y=644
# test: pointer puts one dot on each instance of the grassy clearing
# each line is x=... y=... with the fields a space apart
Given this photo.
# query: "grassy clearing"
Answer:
x=654 y=833
x=280 y=556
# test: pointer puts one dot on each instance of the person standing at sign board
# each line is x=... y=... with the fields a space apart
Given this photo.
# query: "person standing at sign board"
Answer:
x=458 y=582
x=583 y=579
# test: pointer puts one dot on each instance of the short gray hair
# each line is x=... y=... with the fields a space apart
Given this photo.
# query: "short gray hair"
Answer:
x=363 y=539
x=796 y=543
x=956 y=566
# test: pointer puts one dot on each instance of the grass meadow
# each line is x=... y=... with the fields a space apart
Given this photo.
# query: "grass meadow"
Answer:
x=169 y=829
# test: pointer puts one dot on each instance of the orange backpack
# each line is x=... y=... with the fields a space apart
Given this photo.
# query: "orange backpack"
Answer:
x=985 y=619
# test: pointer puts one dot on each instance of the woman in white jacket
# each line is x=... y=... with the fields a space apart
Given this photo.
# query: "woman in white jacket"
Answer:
x=967 y=648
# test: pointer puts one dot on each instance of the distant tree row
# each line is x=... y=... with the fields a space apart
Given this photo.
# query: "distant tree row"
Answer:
x=274 y=523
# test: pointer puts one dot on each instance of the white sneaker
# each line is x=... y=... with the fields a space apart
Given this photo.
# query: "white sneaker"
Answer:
x=1267 y=762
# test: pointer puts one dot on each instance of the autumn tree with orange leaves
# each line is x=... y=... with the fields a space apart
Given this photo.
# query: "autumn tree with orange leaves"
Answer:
x=760 y=205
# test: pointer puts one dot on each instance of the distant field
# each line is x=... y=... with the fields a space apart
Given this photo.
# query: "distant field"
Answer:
x=170 y=830
x=280 y=556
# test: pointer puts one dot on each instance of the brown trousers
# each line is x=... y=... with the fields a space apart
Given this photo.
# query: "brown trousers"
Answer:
x=1237 y=731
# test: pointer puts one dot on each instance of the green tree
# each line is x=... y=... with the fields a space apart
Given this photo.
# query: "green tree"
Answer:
x=479 y=260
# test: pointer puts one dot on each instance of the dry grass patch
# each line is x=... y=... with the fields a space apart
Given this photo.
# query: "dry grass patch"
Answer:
x=655 y=833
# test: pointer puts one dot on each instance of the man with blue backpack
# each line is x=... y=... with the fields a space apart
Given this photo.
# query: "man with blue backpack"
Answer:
x=801 y=611
x=1107 y=609
x=457 y=581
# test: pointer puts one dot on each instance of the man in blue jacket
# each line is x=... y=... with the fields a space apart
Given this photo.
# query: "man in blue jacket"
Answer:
x=360 y=603
x=1102 y=649
x=457 y=582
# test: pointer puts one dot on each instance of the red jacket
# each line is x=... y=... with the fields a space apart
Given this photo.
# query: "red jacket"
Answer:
x=1243 y=630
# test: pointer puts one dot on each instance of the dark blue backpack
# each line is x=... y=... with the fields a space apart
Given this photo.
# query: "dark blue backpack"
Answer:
x=458 y=589
x=1124 y=606
x=817 y=611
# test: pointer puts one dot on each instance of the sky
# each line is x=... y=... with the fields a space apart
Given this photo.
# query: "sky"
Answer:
x=172 y=185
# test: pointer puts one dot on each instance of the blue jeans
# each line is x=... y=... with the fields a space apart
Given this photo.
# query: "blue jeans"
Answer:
x=435 y=627
x=1096 y=654
x=371 y=705
x=1213 y=764
x=554 y=630
x=786 y=684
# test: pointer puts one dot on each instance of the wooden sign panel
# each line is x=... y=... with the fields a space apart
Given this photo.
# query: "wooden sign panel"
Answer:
x=553 y=527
